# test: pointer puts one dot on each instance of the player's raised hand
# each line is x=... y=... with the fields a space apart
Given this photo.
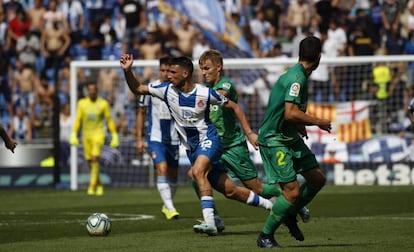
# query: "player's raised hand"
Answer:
x=126 y=61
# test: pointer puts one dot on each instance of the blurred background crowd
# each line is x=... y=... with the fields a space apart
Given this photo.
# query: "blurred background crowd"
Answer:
x=39 y=39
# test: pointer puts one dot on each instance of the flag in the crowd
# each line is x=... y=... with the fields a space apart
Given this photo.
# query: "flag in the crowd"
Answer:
x=217 y=28
x=210 y=18
x=350 y=121
x=385 y=149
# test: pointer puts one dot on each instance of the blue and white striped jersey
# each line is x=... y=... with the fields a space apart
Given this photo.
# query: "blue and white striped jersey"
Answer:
x=160 y=124
x=190 y=111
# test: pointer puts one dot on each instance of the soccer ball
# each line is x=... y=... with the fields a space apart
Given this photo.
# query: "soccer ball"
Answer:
x=98 y=224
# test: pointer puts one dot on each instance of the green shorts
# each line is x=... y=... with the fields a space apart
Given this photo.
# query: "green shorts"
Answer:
x=282 y=163
x=237 y=161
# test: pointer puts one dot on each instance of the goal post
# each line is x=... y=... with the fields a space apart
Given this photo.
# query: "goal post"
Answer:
x=246 y=73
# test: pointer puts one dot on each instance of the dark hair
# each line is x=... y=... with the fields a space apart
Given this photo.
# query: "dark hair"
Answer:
x=309 y=49
x=184 y=62
x=165 y=60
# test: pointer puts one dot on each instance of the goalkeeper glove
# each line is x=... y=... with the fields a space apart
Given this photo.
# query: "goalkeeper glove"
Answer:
x=74 y=139
x=114 y=141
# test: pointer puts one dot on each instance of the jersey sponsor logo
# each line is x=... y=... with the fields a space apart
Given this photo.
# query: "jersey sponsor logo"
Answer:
x=226 y=85
x=189 y=117
x=294 y=90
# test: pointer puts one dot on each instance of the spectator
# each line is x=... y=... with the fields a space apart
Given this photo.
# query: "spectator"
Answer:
x=360 y=44
x=65 y=122
x=274 y=13
x=12 y=8
x=3 y=28
x=117 y=107
x=6 y=73
x=375 y=14
x=108 y=82
x=108 y=32
x=54 y=43
x=16 y=28
x=74 y=14
x=150 y=50
x=186 y=35
x=200 y=45
x=390 y=15
x=94 y=41
x=28 y=49
x=21 y=126
x=24 y=86
x=136 y=22
x=95 y=10
x=35 y=15
x=43 y=121
x=298 y=15
x=53 y=16
x=259 y=26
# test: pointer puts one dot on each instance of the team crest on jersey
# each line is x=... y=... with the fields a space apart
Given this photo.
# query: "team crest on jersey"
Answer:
x=201 y=104
x=294 y=89
x=226 y=85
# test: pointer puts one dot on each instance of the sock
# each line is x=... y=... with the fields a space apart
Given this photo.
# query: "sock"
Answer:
x=256 y=200
x=165 y=192
x=197 y=191
x=94 y=173
x=307 y=193
x=270 y=191
x=173 y=186
x=278 y=212
x=207 y=207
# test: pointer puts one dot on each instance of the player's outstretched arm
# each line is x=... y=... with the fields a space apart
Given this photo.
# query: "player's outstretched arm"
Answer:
x=10 y=143
x=238 y=112
x=126 y=62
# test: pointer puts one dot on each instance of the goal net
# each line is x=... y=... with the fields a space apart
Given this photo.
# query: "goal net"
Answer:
x=364 y=97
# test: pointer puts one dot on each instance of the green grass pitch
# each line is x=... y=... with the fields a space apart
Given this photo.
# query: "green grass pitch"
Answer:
x=349 y=218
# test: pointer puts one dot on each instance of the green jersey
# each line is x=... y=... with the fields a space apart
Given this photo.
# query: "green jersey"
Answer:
x=291 y=87
x=225 y=119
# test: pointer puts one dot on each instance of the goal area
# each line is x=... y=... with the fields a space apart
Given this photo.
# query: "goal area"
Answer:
x=365 y=97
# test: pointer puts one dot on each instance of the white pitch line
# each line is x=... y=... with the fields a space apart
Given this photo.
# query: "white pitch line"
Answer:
x=119 y=217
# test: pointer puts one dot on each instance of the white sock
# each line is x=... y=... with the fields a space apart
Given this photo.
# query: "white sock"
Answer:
x=207 y=207
x=256 y=200
x=165 y=192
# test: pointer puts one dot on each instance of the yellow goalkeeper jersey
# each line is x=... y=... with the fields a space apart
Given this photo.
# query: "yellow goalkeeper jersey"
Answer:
x=91 y=116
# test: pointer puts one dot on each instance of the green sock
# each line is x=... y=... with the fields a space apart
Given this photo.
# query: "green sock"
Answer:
x=270 y=191
x=278 y=212
x=197 y=191
x=307 y=193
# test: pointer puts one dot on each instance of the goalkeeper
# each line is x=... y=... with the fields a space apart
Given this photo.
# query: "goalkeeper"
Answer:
x=91 y=113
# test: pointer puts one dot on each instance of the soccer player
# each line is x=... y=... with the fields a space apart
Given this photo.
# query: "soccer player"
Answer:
x=163 y=142
x=91 y=113
x=189 y=105
x=282 y=149
x=8 y=142
x=236 y=156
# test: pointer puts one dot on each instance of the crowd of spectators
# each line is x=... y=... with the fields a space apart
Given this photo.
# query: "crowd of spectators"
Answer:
x=39 y=39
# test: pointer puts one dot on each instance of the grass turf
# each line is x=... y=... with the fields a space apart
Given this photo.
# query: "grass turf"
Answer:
x=348 y=218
